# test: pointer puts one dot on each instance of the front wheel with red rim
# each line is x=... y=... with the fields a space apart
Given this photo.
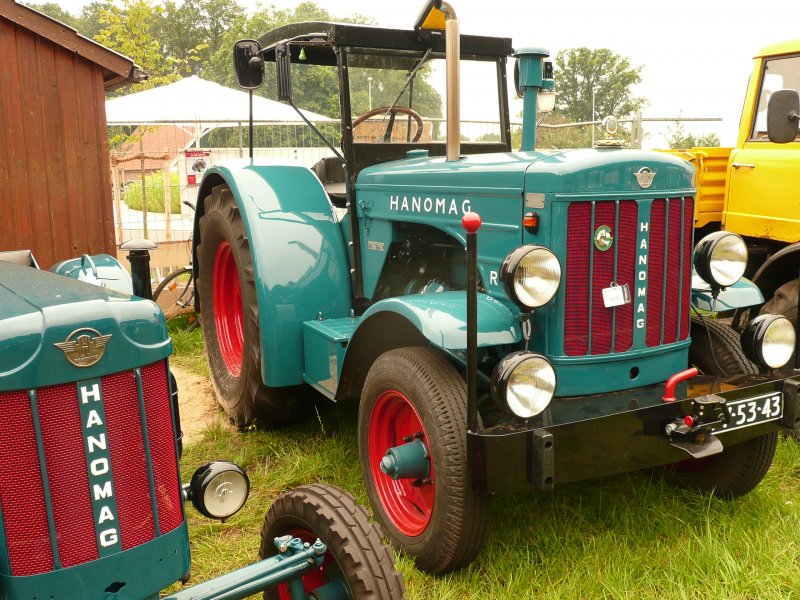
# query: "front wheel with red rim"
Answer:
x=356 y=558
x=229 y=317
x=433 y=515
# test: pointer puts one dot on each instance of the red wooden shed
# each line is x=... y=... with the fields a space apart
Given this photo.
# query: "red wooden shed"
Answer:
x=55 y=184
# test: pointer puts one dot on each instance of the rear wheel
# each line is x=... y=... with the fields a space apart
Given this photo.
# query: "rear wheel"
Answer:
x=356 y=557
x=716 y=350
x=230 y=323
x=413 y=393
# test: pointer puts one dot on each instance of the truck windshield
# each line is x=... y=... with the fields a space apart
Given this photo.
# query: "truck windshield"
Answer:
x=779 y=74
x=401 y=98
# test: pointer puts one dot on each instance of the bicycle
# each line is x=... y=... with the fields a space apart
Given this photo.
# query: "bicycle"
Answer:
x=178 y=291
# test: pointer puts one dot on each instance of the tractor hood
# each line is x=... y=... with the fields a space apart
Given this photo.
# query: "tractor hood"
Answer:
x=55 y=330
x=583 y=171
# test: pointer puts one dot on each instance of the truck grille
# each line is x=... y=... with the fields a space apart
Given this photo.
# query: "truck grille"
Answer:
x=661 y=299
x=46 y=422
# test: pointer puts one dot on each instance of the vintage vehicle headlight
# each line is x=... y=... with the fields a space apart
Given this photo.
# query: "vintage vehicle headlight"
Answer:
x=720 y=258
x=769 y=340
x=219 y=489
x=523 y=383
x=531 y=275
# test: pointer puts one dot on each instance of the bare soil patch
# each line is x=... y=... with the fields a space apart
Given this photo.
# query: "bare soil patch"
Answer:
x=198 y=405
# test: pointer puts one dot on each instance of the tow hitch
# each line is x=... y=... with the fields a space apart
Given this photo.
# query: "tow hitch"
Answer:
x=693 y=434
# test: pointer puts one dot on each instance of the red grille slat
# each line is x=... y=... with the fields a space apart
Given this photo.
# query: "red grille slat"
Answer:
x=128 y=459
x=603 y=276
x=688 y=222
x=576 y=291
x=62 y=438
x=655 y=272
x=674 y=251
x=162 y=446
x=21 y=490
x=626 y=272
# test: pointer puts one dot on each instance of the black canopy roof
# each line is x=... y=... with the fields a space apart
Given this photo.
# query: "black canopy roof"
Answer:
x=319 y=38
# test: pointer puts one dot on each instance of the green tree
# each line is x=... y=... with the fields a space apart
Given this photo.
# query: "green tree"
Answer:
x=676 y=137
x=53 y=10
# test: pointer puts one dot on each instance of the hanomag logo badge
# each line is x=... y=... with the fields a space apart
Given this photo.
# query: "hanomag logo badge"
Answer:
x=603 y=240
x=644 y=177
x=84 y=347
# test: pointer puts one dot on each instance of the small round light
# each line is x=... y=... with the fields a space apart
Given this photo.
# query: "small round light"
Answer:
x=531 y=275
x=769 y=340
x=721 y=258
x=219 y=489
x=523 y=383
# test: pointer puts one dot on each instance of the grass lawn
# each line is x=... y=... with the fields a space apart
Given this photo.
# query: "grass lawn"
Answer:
x=620 y=537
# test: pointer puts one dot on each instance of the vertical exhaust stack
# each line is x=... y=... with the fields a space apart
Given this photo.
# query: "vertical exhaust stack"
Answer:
x=530 y=77
x=453 y=57
x=440 y=16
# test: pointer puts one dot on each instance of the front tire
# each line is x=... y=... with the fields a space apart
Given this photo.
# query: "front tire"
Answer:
x=356 y=555
x=716 y=349
x=439 y=520
x=229 y=319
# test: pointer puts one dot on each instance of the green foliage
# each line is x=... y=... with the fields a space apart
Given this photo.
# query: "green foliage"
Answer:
x=53 y=10
x=676 y=137
x=612 y=76
x=154 y=188
x=563 y=137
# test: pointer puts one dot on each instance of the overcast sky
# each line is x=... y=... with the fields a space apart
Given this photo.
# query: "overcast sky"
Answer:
x=696 y=55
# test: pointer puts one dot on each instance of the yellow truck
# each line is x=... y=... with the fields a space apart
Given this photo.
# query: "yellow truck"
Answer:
x=753 y=189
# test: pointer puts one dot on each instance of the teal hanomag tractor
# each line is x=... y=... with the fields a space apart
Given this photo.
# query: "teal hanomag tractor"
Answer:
x=553 y=354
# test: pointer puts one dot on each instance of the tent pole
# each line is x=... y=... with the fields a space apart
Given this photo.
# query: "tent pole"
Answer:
x=251 y=124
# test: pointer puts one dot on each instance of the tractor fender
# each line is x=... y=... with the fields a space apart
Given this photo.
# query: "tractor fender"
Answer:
x=776 y=270
x=741 y=294
x=300 y=264
x=438 y=319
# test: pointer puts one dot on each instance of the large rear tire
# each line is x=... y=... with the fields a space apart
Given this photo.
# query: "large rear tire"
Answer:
x=229 y=318
x=357 y=556
x=439 y=520
x=716 y=349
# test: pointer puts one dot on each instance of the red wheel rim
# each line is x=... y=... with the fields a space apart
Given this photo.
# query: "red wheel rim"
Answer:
x=313 y=578
x=409 y=507
x=228 y=312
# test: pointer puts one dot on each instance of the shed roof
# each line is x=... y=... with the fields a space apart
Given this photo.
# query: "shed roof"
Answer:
x=117 y=68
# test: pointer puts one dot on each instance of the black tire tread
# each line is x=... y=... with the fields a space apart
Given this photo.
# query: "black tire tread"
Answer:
x=462 y=536
x=253 y=403
x=724 y=344
x=344 y=525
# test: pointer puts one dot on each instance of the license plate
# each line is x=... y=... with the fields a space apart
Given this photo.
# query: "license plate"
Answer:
x=751 y=411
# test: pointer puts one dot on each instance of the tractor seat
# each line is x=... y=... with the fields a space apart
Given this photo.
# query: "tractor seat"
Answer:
x=330 y=172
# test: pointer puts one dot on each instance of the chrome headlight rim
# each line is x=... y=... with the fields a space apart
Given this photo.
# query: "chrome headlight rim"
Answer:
x=704 y=258
x=206 y=481
x=759 y=341
x=502 y=379
x=508 y=271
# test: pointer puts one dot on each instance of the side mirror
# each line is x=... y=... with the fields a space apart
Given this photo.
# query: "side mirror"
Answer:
x=283 y=64
x=248 y=64
x=783 y=113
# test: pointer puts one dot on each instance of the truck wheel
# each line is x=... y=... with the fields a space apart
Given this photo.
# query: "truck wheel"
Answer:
x=716 y=349
x=438 y=520
x=784 y=302
x=356 y=555
x=229 y=319
x=733 y=473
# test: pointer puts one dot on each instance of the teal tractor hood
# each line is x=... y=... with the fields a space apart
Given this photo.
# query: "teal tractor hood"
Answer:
x=40 y=309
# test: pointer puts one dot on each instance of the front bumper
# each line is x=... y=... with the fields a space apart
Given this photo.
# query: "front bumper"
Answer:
x=586 y=437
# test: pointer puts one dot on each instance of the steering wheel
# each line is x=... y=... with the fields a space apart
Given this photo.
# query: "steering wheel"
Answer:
x=393 y=110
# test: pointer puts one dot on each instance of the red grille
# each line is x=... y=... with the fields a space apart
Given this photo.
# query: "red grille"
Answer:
x=21 y=491
x=588 y=270
x=162 y=445
x=22 y=497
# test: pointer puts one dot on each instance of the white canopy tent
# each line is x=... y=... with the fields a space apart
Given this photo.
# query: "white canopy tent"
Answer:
x=200 y=104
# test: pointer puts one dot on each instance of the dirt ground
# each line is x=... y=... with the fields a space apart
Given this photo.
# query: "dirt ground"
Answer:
x=197 y=404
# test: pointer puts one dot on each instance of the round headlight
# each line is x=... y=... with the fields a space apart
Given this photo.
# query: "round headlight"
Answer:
x=769 y=340
x=219 y=489
x=531 y=275
x=720 y=258
x=523 y=383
